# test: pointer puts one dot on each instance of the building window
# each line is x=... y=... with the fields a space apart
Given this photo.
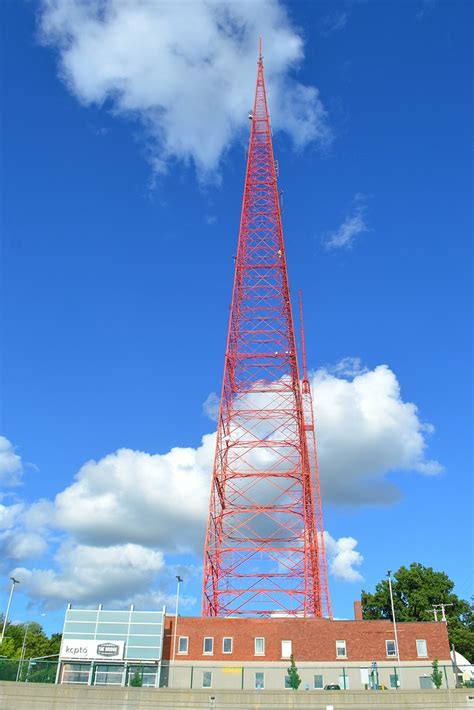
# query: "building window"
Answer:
x=286 y=649
x=207 y=679
x=208 y=647
x=421 y=648
x=259 y=680
x=183 y=643
x=108 y=674
x=318 y=682
x=259 y=646
x=341 y=649
x=76 y=673
x=227 y=644
x=391 y=648
x=287 y=682
x=147 y=675
x=425 y=682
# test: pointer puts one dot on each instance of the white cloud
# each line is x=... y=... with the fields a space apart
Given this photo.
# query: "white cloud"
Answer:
x=185 y=71
x=89 y=575
x=210 y=406
x=20 y=537
x=132 y=496
x=127 y=516
x=25 y=545
x=10 y=464
x=366 y=430
x=343 y=557
x=353 y=225
x=347 y=367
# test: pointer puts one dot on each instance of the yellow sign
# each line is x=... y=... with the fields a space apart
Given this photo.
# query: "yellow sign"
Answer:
x=232 y=669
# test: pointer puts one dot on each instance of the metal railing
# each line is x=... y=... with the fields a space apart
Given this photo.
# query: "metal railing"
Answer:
x=29 y=670
x=266 y=677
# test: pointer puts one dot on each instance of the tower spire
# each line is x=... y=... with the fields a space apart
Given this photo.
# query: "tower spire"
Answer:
x=263 y=554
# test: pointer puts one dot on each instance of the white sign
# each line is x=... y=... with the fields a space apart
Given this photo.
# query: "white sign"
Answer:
x=91 y=650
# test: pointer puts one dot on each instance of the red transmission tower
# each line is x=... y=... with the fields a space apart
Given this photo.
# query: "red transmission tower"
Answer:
x=264 y=552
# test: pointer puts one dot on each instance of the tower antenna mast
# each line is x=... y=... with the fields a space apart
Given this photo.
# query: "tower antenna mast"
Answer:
x=263 y=554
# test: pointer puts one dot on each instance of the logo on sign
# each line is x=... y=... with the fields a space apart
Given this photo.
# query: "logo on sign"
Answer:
x=107 y=649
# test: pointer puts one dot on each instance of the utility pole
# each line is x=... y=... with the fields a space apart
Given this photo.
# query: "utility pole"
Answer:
x=12 y=589
x=443 y=613
x=389 y=576
x=179 y=581
x=22 y=657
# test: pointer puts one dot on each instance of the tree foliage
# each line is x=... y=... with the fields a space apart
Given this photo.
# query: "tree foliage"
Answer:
x=36 y=641
x=137 y=680
x=415 y=590
x=295 y=680
x=436 y=676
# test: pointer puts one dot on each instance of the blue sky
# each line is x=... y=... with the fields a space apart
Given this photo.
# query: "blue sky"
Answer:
x=119 y=224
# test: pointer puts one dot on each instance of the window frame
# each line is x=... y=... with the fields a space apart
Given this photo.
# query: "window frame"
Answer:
x=259 y=687
x=183 y=653
x=209 y=673
x=341 y=655
x=262 y=639
x=318 y=687
x=228 y=638
x=211 y=652
x=394 y=654
x=289 y=655
x=421 y=655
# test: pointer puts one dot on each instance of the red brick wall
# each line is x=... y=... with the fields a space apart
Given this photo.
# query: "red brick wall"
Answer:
x=312 y=639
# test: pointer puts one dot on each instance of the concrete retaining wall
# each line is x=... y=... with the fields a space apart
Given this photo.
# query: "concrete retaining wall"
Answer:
x=36 y=696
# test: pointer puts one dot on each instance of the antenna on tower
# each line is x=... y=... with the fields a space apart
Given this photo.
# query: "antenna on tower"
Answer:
x=260 y=55
x=303 y=345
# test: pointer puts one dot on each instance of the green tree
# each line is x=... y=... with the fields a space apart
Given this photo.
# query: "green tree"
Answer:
x=36 y=641
x=136 y=680
x=415 y=590
x=295 y=680
x=436 y=676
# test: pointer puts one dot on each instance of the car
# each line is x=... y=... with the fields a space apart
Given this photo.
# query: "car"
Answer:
x=332 y=686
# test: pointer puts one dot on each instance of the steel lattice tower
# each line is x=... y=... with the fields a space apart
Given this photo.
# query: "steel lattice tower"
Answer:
x=264 y=551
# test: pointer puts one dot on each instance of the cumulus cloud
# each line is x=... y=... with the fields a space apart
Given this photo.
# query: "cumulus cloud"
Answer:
x=365 y=430
x=128 y=517
x=343 y=557
x=91 y=574
x=185 y=72
x=132 y=496
x=353 y=225
x=21 y=538
x=10 y=464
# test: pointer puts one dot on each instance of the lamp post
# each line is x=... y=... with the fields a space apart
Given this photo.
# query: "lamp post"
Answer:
x=22 y=656
x=12 y=589
x=179 y=580
x=389 y=576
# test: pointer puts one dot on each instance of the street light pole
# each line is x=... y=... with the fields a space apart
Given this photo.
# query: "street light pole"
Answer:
x=389 y=575
x=179 y=580
x=22 y=656
x=12 y=589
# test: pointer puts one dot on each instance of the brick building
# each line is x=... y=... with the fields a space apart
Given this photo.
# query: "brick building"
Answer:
x=109 y=647
x=210 y=652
